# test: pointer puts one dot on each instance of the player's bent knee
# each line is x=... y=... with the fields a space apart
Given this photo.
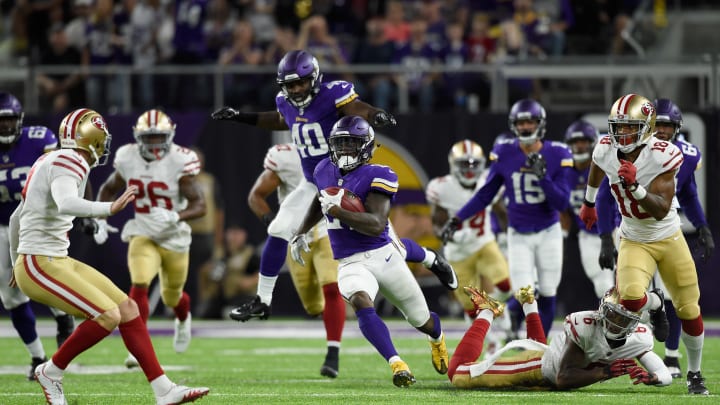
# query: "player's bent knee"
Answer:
x=109 y=319
x=688 y=312
x=632 y=291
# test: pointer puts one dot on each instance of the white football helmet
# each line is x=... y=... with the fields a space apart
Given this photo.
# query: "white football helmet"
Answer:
x=467 y=162
x=617 y=322
x=154 y=133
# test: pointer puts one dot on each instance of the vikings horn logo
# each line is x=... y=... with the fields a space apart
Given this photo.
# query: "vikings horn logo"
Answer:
x=647 y=109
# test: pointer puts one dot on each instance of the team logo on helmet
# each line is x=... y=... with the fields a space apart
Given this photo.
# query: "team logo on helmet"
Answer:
x=647 y=108
x=99 y=123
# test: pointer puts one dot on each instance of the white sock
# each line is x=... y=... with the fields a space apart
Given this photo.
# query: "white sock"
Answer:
x=653 y=302
x=672 y=353
x=36 y=348
x=530 y=308
x=694 y=347
x=439 y=338
x=265 y=288
x=429 y=258
x=394 y=359
x=161 y=385
x=53 y=371
x=485 y=314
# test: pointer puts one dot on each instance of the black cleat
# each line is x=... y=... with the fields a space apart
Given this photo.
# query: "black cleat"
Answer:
x=673 y=364
x=444 y=271
x=658 y=318
x=65 y=328
x=331 y=366
x=696 y=384
x=36 y=361
x=251 y=309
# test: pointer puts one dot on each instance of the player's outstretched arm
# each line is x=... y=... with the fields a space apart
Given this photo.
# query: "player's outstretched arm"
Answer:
x=272 y=120
x=573 y=372
x=125 y=198
x=375 y=116
x=655 y=373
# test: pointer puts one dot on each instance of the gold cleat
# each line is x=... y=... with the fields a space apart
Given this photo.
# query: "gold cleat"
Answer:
x=481 y=301
x=439 y=355
x=525 y=295
x=402 y=377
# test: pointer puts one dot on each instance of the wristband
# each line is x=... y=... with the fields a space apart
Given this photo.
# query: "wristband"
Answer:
x=250 y=118
x=639 y=193
x=590 y=194
x=589 y=204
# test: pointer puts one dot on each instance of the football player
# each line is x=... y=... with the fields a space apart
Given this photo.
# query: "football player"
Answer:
x=158 y=236
x=594 y=346
x=581 y=137
x=536 y=174
x=641 y=170
x=308 y=107
x=39 y=246
x=667 y=125
x=473 y=251
x=20 y=146
x=369 y=259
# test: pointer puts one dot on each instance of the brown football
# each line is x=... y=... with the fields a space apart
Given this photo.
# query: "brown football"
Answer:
x=350 y=201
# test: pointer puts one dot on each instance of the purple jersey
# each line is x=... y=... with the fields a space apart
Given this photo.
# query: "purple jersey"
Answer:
x=16 y=163
x=361 y=181
x=533 y=204
x=310 y=126
x=190 y=18
x=686 y=189
x=578 y=183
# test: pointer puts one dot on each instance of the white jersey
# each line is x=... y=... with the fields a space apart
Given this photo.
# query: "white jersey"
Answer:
x=476 y=231
x=584 y=329
x=43 y=230
x=655 y=158
x=158 y=183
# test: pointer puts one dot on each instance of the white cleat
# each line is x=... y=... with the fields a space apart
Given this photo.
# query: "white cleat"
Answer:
x=183 y=334
x=180 y=394
x=131 y=361
x=52 y=388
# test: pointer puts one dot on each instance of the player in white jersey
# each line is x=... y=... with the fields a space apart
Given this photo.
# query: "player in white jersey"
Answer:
x=640 y=170
x=52 y=198
x=594 y=346
x=159 y=237
x=473 y=251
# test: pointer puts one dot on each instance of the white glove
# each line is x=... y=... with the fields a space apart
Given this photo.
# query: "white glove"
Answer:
x=163 y=217
x=328 y=201
x=298 y=244
x=103 y=229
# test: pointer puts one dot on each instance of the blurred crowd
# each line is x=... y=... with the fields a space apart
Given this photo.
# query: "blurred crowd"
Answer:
x=409 y=33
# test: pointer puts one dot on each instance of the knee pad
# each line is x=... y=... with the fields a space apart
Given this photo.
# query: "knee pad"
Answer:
x=688 y=312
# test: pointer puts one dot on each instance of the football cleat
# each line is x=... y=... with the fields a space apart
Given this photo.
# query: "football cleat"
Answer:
x=673 y=364
x=402 y=377
x=52 y=388
x=658 y=318
x=34 y=362
x=439 y=355
x=444 y=271
x=331 y=366
x=131 y=361
x=180 y=394
x=696 y=384
x=251 y=309
x=481 y=300
x=183 y=334
x=65 y=328
x=525 y=295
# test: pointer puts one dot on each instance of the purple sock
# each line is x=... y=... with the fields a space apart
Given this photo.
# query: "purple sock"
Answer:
x=516 y=312
x=673 y=340
x=23 y=319
x=546 y=308
x=415 y=253
x=437 y=329
x=376 y=332
x=273 y=256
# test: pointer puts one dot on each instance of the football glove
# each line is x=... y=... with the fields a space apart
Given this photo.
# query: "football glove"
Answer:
x=383 y=119
x=163 y=218
x=328 y=201
x=231 y=114
x=608 y=253
x=88 y=226
x=640 y=375
x=298 y=244
x=588 y=214
x=627 y=173
x=619 y=367
x=706 y=243
x=452 y=225
x=103 y=231
x=537 y=164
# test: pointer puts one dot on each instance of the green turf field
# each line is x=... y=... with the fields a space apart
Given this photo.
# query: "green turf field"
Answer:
x=252 y=368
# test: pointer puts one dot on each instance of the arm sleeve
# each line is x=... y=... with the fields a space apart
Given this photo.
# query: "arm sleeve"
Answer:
x=557 y=190
x=607 y=211
x=688 y=199
x=14 y=232
x=484 y=196
x=654 y=364
x=64 y=192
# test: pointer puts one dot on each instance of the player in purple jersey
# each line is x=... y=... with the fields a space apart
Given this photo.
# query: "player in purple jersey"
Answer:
x=370 y=260
x=19 y=148
x=535 y=173
x=308 y=107
x=668 y=123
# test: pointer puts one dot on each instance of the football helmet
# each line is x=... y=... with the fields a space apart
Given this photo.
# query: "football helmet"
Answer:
x=86 y=129
x=631 y=122
x=351 y=142
x=527 y=109
x=154 y=133
x=467 y=161
x=581 y=130
x=11 y=118
x=667 y=112
x=617 y=322
x=294 y=66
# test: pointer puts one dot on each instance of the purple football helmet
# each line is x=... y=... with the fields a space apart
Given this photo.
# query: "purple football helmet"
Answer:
x=527 y=109
x=11 y=118
x=581 y=130
x=352 y=142
x=295 y=66
x=669 y=113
